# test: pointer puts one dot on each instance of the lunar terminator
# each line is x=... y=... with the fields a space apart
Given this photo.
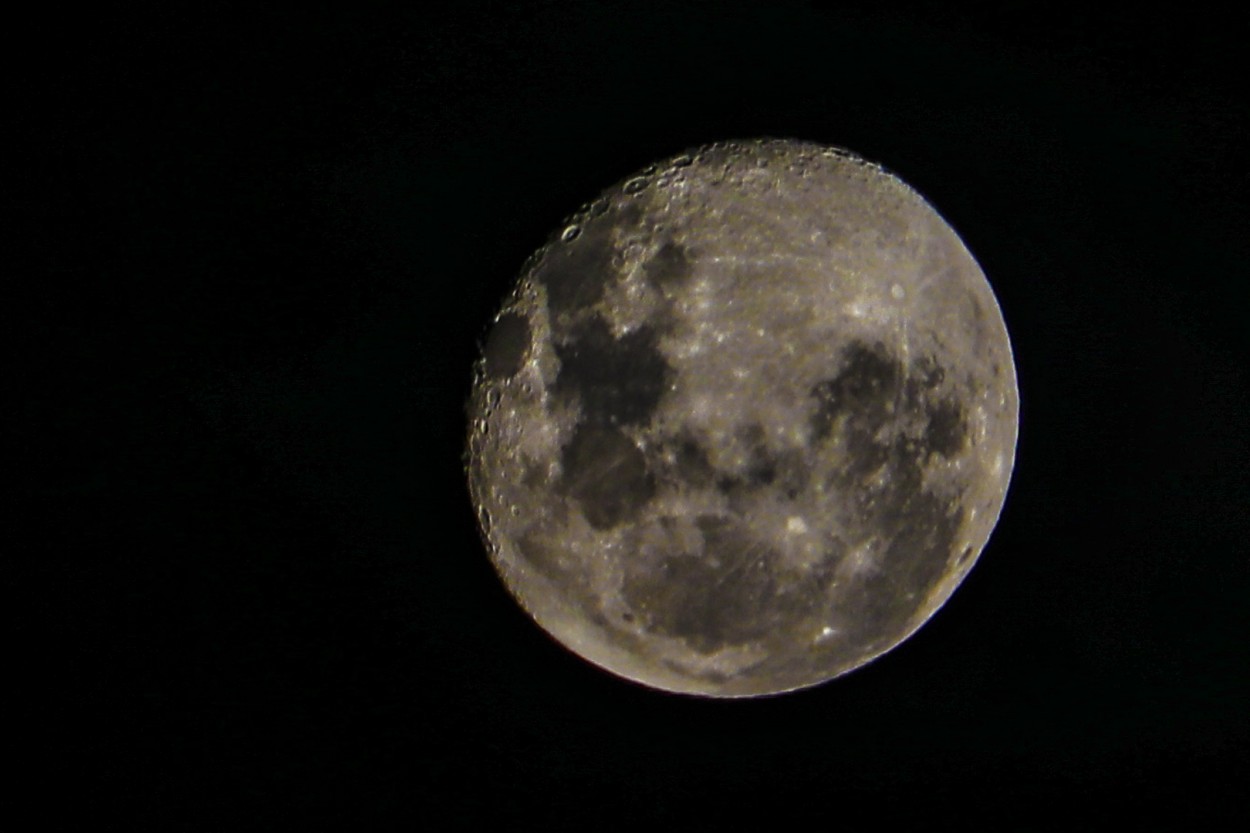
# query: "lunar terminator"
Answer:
x=745 y=423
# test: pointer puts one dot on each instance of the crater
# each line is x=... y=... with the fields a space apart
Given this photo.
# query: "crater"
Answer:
x=544 y=552
x=669 y=267
x=506 y=346
x=576 y=274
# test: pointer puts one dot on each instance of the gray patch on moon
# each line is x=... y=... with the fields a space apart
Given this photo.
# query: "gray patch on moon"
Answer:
x=669 y=267
x=751 y=418
x=883 y=473
x=607 y=474
x=614 y=381
x=576 y=276
x=504 y=352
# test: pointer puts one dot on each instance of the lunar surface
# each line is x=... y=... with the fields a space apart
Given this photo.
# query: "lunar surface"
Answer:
x=745 y=422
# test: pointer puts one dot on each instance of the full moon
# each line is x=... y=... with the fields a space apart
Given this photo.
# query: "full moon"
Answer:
x=744 y=423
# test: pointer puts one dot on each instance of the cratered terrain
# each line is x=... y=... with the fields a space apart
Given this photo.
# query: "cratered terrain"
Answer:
x=746 y=422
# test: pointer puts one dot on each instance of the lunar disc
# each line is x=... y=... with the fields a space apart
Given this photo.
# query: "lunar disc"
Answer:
x=745 y=422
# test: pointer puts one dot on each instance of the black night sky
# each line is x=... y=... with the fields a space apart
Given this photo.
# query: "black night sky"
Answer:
x=253 y=254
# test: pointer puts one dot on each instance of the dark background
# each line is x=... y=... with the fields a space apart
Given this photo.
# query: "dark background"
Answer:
x=254 y=253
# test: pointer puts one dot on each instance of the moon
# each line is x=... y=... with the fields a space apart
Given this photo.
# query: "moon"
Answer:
x=744 y=423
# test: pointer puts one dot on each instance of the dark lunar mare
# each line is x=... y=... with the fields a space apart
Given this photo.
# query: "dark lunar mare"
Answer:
x=616 y=381
x=506 y=346
x=870 y=388
x=731 y=593
x=670 y=266
x=691 y=464
x=606 y=473
x=577 y=274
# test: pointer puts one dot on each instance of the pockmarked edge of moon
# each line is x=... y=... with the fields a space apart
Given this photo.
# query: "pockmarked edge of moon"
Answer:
x=746 y=422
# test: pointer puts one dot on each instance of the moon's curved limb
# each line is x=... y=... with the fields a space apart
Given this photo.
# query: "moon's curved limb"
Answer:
x=746 y=422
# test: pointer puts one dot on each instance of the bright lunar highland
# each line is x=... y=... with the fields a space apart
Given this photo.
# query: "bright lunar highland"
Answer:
x=745 y=422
